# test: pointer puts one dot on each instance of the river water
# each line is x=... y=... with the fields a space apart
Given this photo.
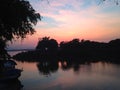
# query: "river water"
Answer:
x=93 y=76
x=67 y=76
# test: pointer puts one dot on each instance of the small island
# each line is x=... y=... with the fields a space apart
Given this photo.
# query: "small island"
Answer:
x=48 y=49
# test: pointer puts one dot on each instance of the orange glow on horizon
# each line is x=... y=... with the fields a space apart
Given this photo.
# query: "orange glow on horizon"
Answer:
x=94 y=22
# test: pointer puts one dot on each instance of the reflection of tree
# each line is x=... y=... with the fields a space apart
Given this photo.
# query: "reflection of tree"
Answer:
x=72 y=63
x=11 y=85
x=66 y=65
x=76 y=67
x=46 y=68
x=51 y=65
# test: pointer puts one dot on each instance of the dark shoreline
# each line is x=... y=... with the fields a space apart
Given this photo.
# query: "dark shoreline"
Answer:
x=73 y=51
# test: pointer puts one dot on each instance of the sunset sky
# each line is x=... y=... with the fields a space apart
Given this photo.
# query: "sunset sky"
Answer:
x=64 y=20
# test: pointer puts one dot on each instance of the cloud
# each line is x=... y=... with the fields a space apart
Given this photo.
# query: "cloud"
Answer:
x=82 y=22
x=68 y=19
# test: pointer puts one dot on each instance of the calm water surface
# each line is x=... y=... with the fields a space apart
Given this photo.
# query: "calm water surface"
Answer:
x=67 y=76
x=93 y=76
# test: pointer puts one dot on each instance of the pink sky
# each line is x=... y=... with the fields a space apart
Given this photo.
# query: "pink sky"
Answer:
x=68 y=19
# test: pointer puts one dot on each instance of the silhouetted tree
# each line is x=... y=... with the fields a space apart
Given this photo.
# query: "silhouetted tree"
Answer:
x=115 y=43
x=17 y=18
x=73 y=51
x=47 y=45
x=43 y=44
x=3 y=52
x=117 y=2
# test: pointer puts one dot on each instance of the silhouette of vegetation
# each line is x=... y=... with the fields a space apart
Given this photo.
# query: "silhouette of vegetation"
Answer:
x=91 y=49
x=71 y=55
x=17 y=18
x=46 y=68
x=74 y=50
x=11 y=85
x=47 y=45
x=117 y=2
x=3 y=52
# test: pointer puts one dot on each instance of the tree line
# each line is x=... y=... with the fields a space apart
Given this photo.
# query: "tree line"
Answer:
x=17 y=18
x=75 y=49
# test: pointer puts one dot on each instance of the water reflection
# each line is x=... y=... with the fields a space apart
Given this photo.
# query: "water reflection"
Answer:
x=65 y=65
x=11 y=85
x=70 y=75
x=46 y=68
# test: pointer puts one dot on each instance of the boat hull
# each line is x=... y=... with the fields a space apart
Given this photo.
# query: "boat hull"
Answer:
x=10 y=75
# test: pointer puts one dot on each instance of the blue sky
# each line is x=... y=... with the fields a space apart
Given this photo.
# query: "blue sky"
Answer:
x=64 y=20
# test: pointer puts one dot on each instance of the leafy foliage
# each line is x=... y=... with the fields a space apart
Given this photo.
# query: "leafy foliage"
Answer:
x=3 y=52
x=47 y=44
x=17 y=18
x=117 y=2
x=72 y=51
